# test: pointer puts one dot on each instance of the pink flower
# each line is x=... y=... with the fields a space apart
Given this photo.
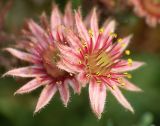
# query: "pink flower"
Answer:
x=41 y=52
x=96 y=60
x=150 y=9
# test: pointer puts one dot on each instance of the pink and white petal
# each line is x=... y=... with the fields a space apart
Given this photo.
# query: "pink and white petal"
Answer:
x=129 y=67
x=31 y=85
x=120 y=98
x=47 y=93
x=125 y=42
x=64 y=92
x=68 y=16
x=73 y=39
x=108 y=29
x=97 y=95
x=81 y=77
x=81 y=27
x=39 y=33
x=75 y=85
x=130 y=86
x=24 y=72
x=55 y=20
x=62 y=66
x=22 y=55
x=94 y=26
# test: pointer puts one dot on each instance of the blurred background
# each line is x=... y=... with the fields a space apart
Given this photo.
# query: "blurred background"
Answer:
x=145 y=46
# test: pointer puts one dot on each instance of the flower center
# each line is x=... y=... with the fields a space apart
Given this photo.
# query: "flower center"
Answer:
x=152 y=6
x=50 y=58
x=98 y=63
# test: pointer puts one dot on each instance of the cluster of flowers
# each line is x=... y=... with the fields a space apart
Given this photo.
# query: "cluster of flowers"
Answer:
x=70 y=51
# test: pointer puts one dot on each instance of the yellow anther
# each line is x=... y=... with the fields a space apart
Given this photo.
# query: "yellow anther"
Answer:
x=90 y=32
x=98 y=81
x=86 y=56
x=127 y=52
x=130 y=61
x=70 y=74
x=125 y=73
x=101 y=30
x=113 y=35
x=59 y=82
x=129 y=76
x=109 y=75
x=123 y=84
x=80 y=62
x=113 y=87
x=79 y=49
x=97 y=73
x=87 y=75
x=84 y=45
x=123 y=44
x=119 y=40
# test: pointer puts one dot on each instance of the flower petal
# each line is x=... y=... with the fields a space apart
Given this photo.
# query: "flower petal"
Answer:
x=75 y=85
x=129 y=67
x=94 y=25
x=55 y=20
x=125 y=42
x=22 y=55
x=97 y=95
x=24 y=72
x=130 y=86
x=68 y=16
x=30 y=86
x=81 y=77
x=64 y=92
x=108 y=29
x=39 y=33
x=119 y=96
x=81 y=28
x=45 y=96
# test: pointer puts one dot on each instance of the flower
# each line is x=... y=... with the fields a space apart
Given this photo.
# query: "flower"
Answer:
x=96 y=59
x=150 y=9
x=41 y=51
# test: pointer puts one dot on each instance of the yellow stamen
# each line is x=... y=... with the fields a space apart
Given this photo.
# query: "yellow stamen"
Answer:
x=130 y=61
x=113 y=35
x=80 y=62
x=119 y=40
x=109 y=75
x=113 y=87
x=101 y=30
x=70 y=74
x=127 y=52
x=98 y=73
x=98 y=81
x=129 y=76
x=123 y=44
x=90 y=32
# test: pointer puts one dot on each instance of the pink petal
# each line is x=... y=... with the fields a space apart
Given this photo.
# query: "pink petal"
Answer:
x=94 y=25
x=81 y=77
x=130 y=86
x=45 y=96
x=22 y=55
x=30 y=86
x=125 y=42
x=73 y=39
x=68 y=16
x=128 y=67
x=55 y=20
x=97 y=95
x=119 y=96
x=64 y=92
x=75 y=85
x=81 y=28
x=39 y=33
x=24 y=72
x=109 y=28
x=62 y=66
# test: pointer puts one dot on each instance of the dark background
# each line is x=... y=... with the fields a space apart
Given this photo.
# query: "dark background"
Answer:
x=145 y=46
